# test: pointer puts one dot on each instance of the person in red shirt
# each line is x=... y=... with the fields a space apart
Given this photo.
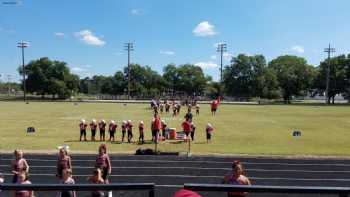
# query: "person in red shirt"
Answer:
x=102 y=126
x=186 y=126
x=214 y=107
x=141 y=130
x=82 y=127
x=209 y=131
x=93 y=127
x=129 y=127
x=156 y=127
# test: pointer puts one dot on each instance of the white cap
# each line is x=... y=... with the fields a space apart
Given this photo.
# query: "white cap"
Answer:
x=124 y=122
x=82 y=120
x=112 y=121
x=64 y=147
x=103 y=121
x=163 y=121
x=141 y=122
x=94 y=120
x=129 y=121
x=209 y=125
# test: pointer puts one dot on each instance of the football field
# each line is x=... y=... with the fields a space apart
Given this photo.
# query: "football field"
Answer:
x=239 y=129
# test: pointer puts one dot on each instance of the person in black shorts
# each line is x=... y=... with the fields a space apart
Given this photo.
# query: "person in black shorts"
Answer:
x=102 y=127
x=82 y=127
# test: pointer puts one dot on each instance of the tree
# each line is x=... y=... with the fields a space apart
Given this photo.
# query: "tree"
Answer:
x=187 y=78
x=339 y=76
x=248 y=76
x=50 y=77
x=294 y=75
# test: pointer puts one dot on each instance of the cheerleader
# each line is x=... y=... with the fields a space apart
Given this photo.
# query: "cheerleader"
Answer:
x=93 y=127
x=63 y=161
x=112 y=129
x=82 y=127
x=19 y=165
x=102 y=126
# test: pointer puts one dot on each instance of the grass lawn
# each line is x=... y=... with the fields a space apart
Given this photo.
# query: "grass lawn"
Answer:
x=239 y=129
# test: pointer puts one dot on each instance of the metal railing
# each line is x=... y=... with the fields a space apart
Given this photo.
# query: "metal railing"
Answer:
x=341 y=191
x=150 y=187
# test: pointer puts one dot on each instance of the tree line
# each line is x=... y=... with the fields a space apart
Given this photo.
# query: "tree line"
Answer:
x=244 y=78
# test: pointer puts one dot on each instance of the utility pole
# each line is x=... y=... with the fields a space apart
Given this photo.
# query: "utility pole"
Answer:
x=23 y=45
x=328 y=50
x=222 y=47
x=129 y=47
x=9 y=84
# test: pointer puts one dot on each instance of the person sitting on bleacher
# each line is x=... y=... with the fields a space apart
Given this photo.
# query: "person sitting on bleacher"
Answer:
x=236 y=177
x=67 y=179
x=19 y=165
x=96 y=178
x=63 y=161
x=22 y=179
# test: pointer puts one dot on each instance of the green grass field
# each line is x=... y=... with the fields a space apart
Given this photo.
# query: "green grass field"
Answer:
x=239 y=129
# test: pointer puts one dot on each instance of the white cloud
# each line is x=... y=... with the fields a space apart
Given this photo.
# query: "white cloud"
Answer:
x=78 y=70
x=204 y=29
x=227 y=56
x=298 y=49
x=206 y=65
x=60 y=34
x=136 y=12
x=213 y=57
x=167 y=52
x=89 y=38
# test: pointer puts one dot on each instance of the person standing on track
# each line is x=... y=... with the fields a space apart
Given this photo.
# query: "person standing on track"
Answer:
x=67 y=179
x=103 y=162
x=19 y=165
x=102 y=126
x=96 y=178
x=189 y=115
x=93 y=127
x=23 y=179
x=236 y=177
x=112 y=129
x=129 y=127
x=82 y=127
x=63 y=161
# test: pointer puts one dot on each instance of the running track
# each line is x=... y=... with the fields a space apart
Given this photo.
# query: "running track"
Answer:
x=169 y=173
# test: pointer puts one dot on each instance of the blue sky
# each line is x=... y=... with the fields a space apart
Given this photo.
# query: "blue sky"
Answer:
x=90 y=35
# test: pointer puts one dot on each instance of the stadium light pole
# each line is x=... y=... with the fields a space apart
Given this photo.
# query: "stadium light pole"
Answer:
x=328 y=50
x=129 y=47
x=222 y=47
x=23 y=45
x=9 y=84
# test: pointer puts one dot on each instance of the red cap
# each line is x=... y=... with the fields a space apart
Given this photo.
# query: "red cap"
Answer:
x=186 y=193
